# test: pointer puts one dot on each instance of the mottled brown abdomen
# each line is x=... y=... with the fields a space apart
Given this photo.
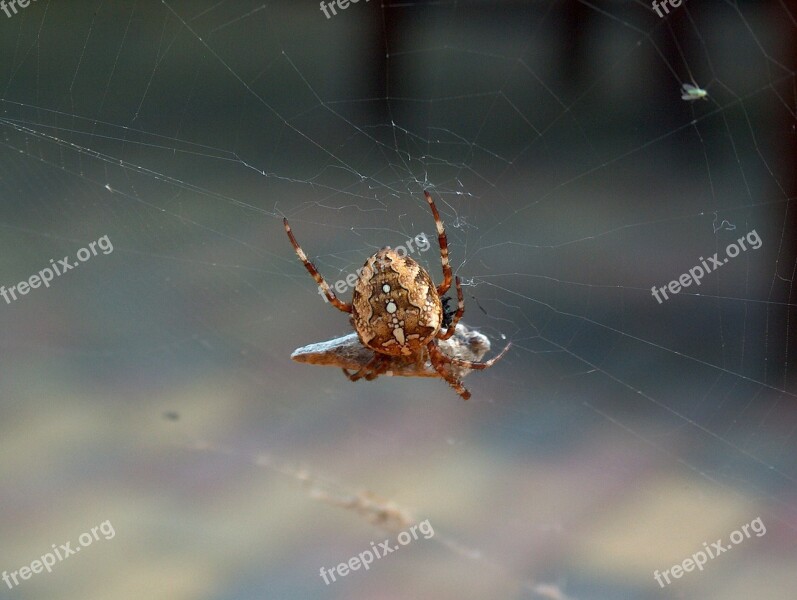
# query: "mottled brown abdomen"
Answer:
x=395 y=307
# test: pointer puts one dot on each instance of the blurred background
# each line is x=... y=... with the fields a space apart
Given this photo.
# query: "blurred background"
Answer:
x=152 y=386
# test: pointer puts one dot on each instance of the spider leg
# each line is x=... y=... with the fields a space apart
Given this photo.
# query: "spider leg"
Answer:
x=343 y=306
x=457 y=316
x=437 y=358
x=443 y=240
x=477 y=366
x=371 y=370
x=379 y=370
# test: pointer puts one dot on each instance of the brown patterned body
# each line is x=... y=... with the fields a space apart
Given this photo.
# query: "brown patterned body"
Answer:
x=396 y=309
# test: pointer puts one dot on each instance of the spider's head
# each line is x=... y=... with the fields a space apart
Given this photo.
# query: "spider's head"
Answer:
x=448 y=311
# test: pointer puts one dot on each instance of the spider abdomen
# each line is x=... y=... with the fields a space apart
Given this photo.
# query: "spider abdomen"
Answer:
x=395 y=308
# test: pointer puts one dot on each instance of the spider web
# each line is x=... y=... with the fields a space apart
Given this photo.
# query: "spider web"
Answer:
x=619 y=433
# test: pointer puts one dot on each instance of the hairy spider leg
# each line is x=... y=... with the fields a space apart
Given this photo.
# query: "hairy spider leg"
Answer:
x=340 y=305
x=443 y=241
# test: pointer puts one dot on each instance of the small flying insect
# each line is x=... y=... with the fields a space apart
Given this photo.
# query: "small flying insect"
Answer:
x=690 y=93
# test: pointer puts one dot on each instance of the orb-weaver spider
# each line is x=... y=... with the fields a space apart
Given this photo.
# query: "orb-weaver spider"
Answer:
x=398 y=312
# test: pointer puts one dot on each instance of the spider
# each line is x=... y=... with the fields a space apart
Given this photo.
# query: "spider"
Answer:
x=399 y=313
